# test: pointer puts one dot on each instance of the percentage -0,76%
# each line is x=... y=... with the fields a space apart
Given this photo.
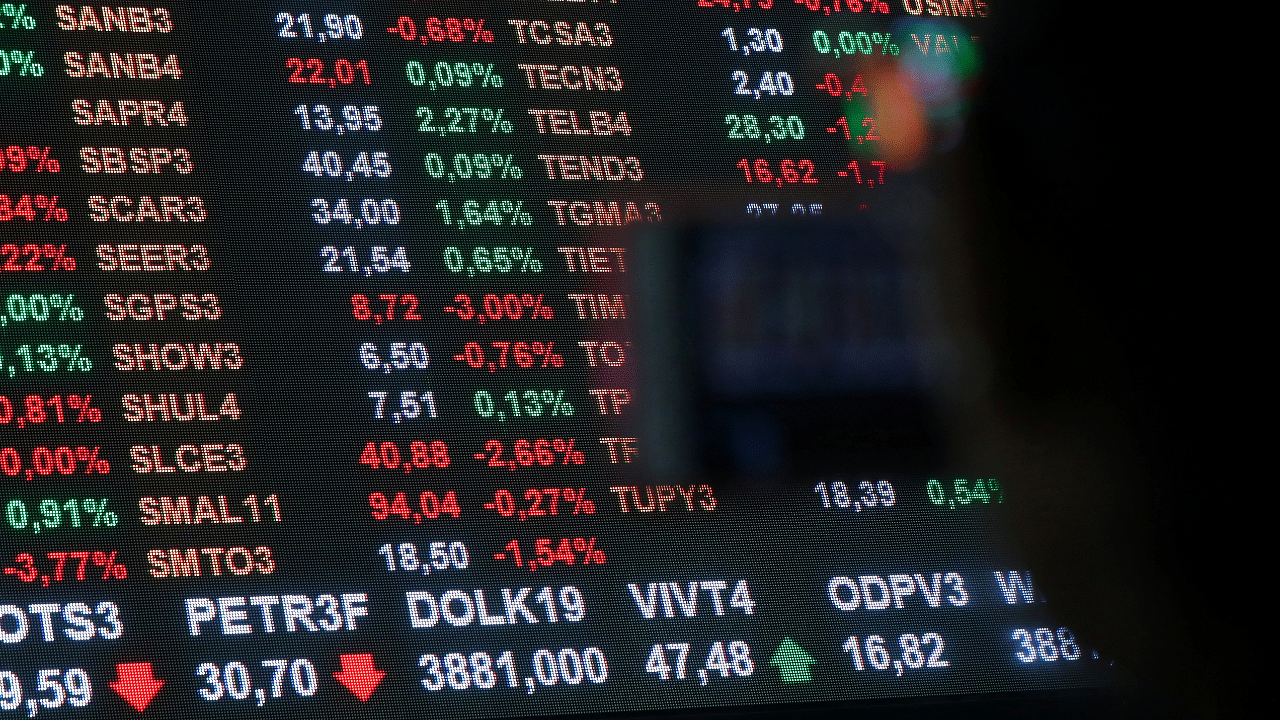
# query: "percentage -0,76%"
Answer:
x=53 y=513
x=44 y=358
x=43 y=461
x=39 y=308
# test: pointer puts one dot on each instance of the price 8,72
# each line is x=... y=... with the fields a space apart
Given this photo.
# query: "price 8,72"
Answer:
x=730 y=659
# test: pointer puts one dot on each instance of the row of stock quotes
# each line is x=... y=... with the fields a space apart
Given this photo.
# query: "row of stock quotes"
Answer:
x=315 y=369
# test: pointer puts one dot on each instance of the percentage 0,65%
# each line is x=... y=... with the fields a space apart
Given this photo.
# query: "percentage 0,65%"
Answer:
x=53 y=513
x=45 y=358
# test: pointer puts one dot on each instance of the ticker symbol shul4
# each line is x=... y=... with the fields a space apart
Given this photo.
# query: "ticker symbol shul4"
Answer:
x=136 y=684
x=359 y=675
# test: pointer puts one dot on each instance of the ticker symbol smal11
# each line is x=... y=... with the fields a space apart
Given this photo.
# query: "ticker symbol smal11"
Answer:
x=522 y=404
x=453 y=74
x=62 y=460
x=381 y=259
x=51 y=513
x=368 y=211
x=481 y=212
x=274 y=679
x=56 y=686
x=961 y=493
x=569 y=667
x=669 y=661
x=913 y=652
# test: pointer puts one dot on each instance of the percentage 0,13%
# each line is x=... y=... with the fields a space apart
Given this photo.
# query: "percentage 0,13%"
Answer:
x=547 y=552
x=27 y=571
x=522 y=404
x=39 y=308
x=51 y=514
x=47 y=358
x=46 y=461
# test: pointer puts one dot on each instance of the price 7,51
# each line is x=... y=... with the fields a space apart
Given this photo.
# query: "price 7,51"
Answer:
x=412 y=403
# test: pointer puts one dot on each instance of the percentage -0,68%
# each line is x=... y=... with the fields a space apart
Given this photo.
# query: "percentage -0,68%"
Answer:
x=53 y=513
x=45 y=358
x=445 y=74
x=55 y=408
x=39 y=308
x=44 y=461
x=446 y=30
x=61 y=564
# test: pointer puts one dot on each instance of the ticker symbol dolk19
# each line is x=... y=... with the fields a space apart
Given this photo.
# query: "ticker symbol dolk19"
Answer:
x=359 y=675
x=136 y=684
x=792 y=662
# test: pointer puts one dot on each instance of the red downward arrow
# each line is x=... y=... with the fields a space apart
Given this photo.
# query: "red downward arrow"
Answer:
x=359 y=675
x=136 y=684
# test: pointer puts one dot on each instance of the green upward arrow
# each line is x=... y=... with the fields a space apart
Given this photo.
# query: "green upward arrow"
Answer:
x=792 y=661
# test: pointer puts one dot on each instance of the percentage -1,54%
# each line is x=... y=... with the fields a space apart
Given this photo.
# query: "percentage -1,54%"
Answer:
x=39 y=308
x=64 y=564
x=548 y=552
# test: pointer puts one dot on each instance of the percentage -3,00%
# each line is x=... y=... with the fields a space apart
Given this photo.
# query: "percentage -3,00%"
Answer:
x=500 y=307
x=44 y=461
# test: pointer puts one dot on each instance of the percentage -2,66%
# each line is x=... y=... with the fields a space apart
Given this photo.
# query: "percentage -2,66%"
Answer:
x=501 y=307
x=56 y=569
x=531 y=453
x=44 y=461
x=44 y=358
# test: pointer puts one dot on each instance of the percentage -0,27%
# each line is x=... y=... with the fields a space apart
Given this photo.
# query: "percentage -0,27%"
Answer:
x=541 y=502
x=44 y=461
x=39 y=308
x=63 y=565
x=55 y=408
x=548 y=552
x=46 y=358
x=447 y=30
x=446 y=74
x=52 y=514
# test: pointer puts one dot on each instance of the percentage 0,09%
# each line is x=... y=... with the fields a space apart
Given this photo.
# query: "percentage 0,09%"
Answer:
x=473 y=166
x=446 y=74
